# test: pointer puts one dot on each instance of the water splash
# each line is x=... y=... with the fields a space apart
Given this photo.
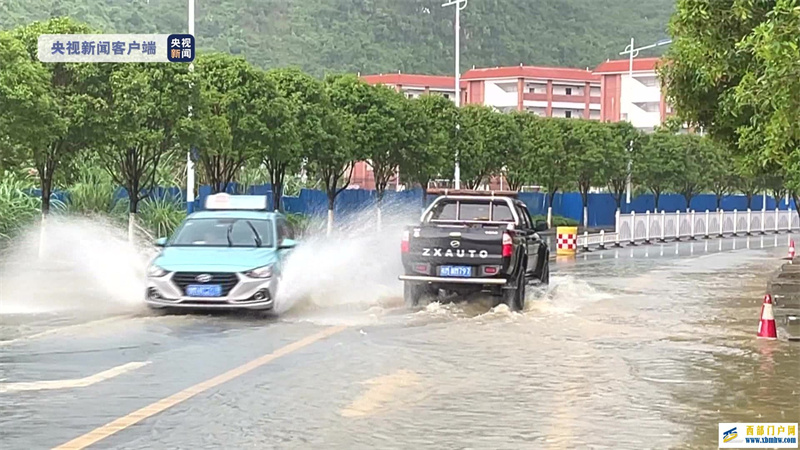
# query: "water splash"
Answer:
x=86 y=265
x=352 y=270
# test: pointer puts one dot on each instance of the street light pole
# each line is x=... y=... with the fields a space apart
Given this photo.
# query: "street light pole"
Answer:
x=189 y=162
x=633 y=52
x=459 y=4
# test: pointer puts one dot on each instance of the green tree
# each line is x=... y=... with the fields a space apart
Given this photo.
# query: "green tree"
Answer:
x=518 y=171
x=694 y=156
x=53 y=108
x=307 y=107
x=23 y=89
x=775 y=184
x=145 y=105
x=544 y=155
x=587 y=143
x=334 y=154
x=432 y=155
x=704 y=65
x=749 y=177
x=720 y=172
x=623 y=141
x=656 y=166
x=733 y=69
x=484 y=141
x=238 y=115
x=769 y=90
x=384 y=127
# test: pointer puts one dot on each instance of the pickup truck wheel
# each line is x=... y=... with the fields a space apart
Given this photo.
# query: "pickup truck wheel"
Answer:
x=545 y=277
x=514 y=298
x=412 y=292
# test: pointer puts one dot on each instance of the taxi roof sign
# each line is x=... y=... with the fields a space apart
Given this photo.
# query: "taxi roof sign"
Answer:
x=223 y=201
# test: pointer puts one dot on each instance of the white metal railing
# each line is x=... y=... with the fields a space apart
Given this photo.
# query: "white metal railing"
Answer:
x=650 y=227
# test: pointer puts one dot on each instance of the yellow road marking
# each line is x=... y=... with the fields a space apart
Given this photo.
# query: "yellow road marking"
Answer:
x=73 y=383
x=65 y=328
x=381 y=391
x=162 y=405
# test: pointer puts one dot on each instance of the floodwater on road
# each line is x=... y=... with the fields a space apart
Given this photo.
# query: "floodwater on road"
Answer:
x=639 y=347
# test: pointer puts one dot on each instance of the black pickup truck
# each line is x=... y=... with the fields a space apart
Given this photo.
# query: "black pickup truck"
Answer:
x=474 y=241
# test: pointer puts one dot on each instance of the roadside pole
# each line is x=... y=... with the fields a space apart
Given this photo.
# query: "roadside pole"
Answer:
x=189 y=162
x=459 y=5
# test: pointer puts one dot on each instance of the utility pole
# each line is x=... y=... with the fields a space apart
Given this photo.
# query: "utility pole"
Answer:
x=633 y=52
x=189 y=162
x=459 y=4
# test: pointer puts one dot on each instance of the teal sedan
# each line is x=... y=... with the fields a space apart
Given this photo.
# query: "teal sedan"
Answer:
x=229 y=256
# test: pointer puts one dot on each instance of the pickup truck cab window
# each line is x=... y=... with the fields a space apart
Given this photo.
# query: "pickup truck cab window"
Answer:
x=473 y=211
x=524 y=217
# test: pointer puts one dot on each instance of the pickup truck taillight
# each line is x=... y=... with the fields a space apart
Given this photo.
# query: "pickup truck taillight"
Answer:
x=507 y=244
x=404 y=244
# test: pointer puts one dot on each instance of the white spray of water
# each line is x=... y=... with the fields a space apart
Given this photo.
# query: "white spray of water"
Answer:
x=85 y=265
x=353 y=269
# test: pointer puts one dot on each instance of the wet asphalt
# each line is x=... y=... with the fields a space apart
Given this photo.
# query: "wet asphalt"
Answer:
x=637 y=347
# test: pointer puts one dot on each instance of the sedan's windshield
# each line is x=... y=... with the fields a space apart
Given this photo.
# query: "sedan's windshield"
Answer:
x=224 y=232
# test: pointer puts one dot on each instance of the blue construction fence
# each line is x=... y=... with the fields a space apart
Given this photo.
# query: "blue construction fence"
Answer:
x=602 y=207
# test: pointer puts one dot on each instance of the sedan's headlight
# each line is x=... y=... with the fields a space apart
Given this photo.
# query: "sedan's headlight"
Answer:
x=155 y=272
x=260 y=272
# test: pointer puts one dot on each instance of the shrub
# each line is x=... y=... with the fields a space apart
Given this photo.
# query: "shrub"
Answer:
x=558 y=221
x=92 y=193
x=161 y=215
x=17 y=207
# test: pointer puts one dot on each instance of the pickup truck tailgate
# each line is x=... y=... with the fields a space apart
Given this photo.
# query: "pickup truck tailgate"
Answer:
x=456 y=246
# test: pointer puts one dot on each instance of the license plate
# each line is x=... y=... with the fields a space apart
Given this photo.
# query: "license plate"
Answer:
x=455 y=271
x=204 y=290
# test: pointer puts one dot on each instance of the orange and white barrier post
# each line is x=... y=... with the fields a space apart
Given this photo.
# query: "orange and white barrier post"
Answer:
x=766 y=328
x=567 y=240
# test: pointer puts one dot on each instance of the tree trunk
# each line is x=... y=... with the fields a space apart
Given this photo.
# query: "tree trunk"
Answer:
x=131 y=226
x=719 y=201
x=656 y=196
x=796 y=210
x=47 y=186
x=331 y=201
x=379 y=191
x=585 y=216
x=46 y=182
x=749 y=199
x=276 y=176
x=584 y=188
x=277 y=193
x=133 y=208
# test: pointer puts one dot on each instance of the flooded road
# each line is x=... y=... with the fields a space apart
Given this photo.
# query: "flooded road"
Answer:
x=641 y=347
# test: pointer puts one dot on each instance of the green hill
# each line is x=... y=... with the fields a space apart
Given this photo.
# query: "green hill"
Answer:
x=374 y=36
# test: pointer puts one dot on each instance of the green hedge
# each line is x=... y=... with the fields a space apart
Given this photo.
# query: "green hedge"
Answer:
x=558 y=221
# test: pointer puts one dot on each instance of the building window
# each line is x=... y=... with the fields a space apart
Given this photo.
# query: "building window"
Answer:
x=568 y=114
x=569 y=92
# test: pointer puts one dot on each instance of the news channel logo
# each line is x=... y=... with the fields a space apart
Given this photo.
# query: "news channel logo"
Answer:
x=116 y=48
x=758 y=435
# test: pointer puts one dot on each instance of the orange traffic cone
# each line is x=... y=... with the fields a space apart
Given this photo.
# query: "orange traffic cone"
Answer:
x=790 y=257
x=766 y=328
